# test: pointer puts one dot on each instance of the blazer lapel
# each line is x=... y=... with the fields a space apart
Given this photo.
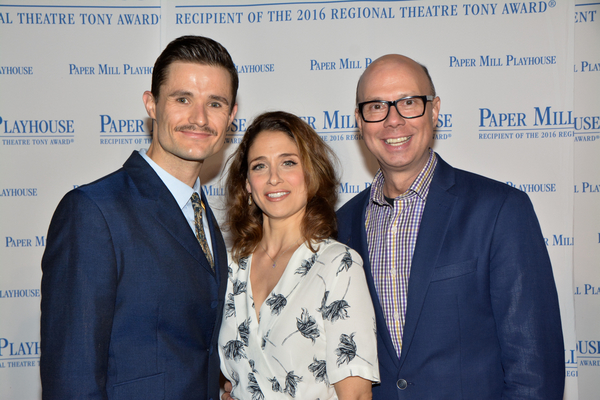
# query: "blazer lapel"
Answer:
x=220 y=260
x=161 y=205
x=433 y=228
x=219 y=250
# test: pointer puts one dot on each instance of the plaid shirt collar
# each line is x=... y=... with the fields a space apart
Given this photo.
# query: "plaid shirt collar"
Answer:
x=420 y=186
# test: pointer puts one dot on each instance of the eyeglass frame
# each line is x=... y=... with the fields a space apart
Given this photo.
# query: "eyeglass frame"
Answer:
x=426 y=99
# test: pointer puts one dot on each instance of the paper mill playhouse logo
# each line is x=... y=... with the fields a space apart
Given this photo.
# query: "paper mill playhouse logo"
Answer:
x=19 y=354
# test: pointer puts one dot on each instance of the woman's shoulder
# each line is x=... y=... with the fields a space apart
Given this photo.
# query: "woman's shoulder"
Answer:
x=332 y=246
x=330 y=251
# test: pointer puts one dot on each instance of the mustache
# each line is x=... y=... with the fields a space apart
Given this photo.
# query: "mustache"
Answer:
x=196 y=128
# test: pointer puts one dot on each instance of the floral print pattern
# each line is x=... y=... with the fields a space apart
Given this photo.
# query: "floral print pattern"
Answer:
x=315 y=328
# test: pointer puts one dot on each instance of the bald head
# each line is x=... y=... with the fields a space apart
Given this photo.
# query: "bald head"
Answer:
x=395 y=66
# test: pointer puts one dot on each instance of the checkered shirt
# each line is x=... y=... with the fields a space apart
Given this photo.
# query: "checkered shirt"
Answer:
x=391 y=236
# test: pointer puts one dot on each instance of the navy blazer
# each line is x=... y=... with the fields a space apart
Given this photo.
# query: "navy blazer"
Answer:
x=482 y=317
x=131 y=309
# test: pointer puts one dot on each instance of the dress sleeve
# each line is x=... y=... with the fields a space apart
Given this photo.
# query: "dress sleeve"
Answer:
x=348 y=317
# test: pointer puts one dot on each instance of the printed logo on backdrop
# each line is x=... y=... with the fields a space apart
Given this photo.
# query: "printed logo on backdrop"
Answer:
x=19 y=294
x=586 y=16
x=18 y=192
x=41 y=15
x=19 y=354
x=342 y=64
x=19 y=242
x=118 y=131
x=290 y=13
x=36 y=132
x=571 y=363
x=534 y=187
x=540 y=123
x=15 y=70
x=587 y=129
x=106 y=69
x=587 y=66
x=254 y=68
x=236 y=130
x=587 y=289
x=559 y=240
x=353 y=187
x=588 y=353
x=508 y=60
x=588 y=187
x=213 y=190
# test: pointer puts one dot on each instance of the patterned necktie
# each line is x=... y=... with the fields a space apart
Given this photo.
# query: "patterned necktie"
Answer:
x=198 y=206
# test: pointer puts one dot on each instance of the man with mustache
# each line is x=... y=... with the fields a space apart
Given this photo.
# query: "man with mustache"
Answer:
x=134 y=271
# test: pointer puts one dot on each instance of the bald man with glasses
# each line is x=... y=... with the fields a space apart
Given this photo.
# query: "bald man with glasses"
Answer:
x=458 y=269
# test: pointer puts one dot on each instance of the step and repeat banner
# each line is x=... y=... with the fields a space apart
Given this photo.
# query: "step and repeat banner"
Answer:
x=583 y=360
x=518 y=83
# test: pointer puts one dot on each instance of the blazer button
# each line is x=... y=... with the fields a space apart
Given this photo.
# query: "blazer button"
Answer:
x=401 y=384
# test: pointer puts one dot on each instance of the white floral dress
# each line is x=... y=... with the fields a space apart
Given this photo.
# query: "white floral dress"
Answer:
x=316 y=328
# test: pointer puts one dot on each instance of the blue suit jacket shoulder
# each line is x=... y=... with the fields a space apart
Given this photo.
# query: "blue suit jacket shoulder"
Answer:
x=130 y=306
x=482 y=317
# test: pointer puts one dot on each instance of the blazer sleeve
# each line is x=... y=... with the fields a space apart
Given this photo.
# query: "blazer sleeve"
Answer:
x=525 y=305
x=78 y=301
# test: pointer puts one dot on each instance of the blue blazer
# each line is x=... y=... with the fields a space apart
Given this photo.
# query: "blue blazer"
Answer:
x=130 y=306
x=482 y=318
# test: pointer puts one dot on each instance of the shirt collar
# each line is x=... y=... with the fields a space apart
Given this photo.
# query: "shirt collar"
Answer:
x=420 y=186
x=180 y=191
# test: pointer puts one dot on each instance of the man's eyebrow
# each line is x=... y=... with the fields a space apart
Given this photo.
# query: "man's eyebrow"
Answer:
x=181 y=93
x=381 y=98
x=219 y=98
x=186 y=93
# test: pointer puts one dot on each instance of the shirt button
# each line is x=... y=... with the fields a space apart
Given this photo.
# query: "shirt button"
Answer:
x=401 y=384
x=396 y=317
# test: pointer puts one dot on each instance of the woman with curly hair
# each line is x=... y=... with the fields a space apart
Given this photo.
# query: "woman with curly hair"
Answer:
x=298 y=319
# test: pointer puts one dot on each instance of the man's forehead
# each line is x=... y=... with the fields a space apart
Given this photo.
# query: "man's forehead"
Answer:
x=184 y=69
x=392 y=77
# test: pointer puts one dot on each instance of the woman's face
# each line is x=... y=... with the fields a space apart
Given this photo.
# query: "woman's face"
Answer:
x=276 y=177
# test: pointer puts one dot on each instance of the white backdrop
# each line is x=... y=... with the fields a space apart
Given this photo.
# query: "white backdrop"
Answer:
x=519 y=84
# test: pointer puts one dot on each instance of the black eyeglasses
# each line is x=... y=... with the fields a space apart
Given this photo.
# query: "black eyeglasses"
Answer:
x=407 y=107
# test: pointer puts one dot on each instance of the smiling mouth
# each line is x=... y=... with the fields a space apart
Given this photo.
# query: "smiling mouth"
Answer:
x=397 y=141
x=277 y=195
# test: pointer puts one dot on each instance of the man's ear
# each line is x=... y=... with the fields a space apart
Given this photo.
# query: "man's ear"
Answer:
x=150 y=104
x=436 y=103
x=358 y=118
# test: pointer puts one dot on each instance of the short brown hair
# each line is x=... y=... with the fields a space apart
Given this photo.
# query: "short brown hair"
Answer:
x=322 y=183
x=198 y=50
